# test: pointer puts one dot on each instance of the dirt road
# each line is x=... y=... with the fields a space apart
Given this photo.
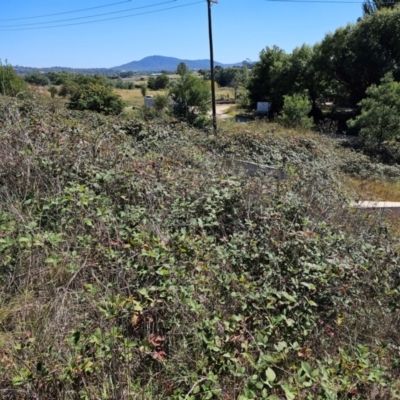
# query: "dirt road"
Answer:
x=221 y=108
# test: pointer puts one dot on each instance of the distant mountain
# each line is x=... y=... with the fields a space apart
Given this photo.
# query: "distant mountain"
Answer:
x=147 y=64
x=159 y=63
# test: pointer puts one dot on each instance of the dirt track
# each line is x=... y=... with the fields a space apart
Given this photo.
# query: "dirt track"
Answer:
x=221 y=108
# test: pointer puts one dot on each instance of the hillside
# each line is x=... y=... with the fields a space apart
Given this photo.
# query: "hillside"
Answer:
x=147 y=64
x=136 y=264
x=159 y=63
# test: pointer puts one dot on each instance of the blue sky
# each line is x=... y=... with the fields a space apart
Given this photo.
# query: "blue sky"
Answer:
x=242 y=28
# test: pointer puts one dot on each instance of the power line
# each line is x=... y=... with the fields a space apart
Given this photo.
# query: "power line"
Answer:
x=89 y=16
x=66 y=12
x=101 y=20
x=316 y=1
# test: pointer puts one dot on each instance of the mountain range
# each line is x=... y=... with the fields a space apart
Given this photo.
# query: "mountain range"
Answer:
x=159 y=63
x=147 y=64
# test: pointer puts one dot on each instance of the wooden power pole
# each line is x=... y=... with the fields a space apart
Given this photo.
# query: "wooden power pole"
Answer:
x=214 y=109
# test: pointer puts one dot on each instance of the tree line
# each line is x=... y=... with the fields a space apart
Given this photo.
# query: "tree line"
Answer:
x=340 y=68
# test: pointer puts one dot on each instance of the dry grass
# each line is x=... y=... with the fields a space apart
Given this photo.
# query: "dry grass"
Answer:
x=144 y=78
x=260 y=128
x=379 y=191
x=376 y=190
x=134 y=97
x=225 y=92
x=40 y=90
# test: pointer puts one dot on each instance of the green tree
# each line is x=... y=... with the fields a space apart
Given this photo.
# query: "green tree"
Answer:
x=191 y=96
x=240 y=79
x=308 y=75
x=206 y=74
x=224 y=76
x=161 y=82
x=360 y=54
x=270 y=78
x=96 y=97
x=380 y=116
x=182 y=69
x=10 y=83
x=295 y=112
x=278 y=74
x=151 y=83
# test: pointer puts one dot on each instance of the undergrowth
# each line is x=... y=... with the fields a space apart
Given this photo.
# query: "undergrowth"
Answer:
x=135 y=265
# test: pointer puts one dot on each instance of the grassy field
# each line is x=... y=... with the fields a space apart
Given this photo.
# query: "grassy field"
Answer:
x=134 y=97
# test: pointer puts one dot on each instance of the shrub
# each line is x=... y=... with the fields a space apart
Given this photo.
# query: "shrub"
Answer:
x=243 y=100
x=202 y=122
x=160 y=103
x=68 y=88
x=10 y=83
x=53 y=91
x=96 y=97
x=37 y=78
x=143 y=89
x=295 y=112
x=191 y=96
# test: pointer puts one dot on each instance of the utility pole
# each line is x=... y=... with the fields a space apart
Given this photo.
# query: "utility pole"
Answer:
x=214 y=109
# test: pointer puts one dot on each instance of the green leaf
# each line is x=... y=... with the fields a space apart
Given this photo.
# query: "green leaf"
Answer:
x=270 y=374
x=306 y=367
x=288 y=392
x=162 y=272
x=288 y=297
x=88 y=222
x=308 y=285
x=18 y=381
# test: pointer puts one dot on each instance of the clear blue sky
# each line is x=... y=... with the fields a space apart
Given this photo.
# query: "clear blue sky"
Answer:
x=242 y=28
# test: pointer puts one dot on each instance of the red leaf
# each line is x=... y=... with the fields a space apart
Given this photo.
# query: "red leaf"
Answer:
x=159 y=355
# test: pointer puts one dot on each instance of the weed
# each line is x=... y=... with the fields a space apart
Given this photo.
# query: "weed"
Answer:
x=134 y=264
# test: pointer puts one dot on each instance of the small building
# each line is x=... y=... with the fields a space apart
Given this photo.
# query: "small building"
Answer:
x=149 y=101
x=263 y=107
